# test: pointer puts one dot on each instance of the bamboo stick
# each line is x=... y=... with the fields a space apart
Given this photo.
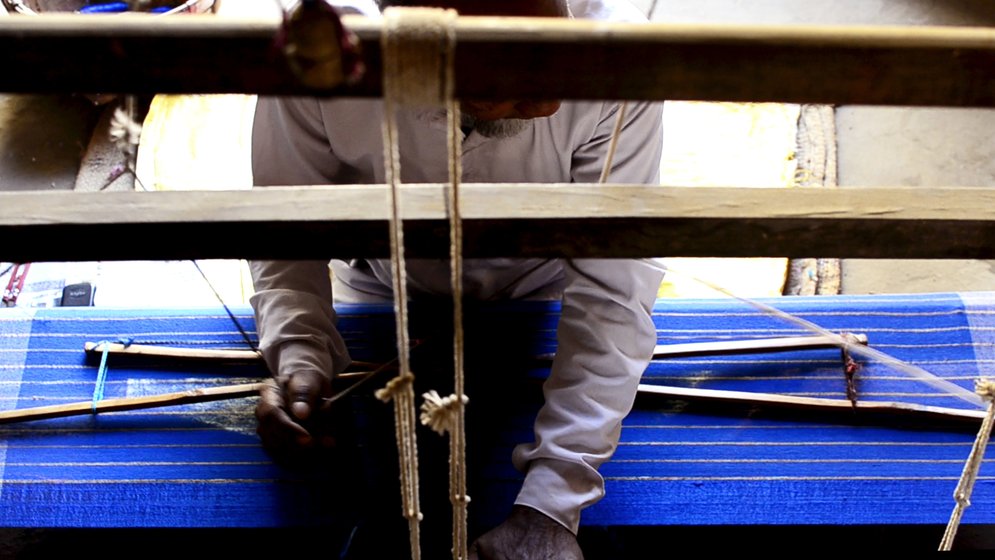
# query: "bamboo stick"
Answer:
x=751 y=346
x=760 y=345
x=131 y=403
x=199 y=354
x=145 y=350
x=924 y=412
x=192 y=396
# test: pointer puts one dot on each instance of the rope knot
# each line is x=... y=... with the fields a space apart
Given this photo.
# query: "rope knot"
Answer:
x=441 y=413
x=420 y=43
x=394 y=387
x=985 y=388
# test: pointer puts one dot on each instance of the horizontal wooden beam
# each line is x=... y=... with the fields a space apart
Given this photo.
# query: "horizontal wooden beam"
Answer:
x=524 y=220
x=521 y=58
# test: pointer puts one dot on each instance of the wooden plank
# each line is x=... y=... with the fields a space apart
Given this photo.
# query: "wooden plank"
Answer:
x=527 y=220
x=522 y=58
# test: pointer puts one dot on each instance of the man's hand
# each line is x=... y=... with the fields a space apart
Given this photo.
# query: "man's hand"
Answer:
x=527 y=535
x=293 y=416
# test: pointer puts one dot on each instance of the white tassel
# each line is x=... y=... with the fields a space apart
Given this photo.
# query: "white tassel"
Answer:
x=124 y=131
x=440 y=413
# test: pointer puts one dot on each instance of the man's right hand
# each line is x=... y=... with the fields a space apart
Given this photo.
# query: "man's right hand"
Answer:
x=527 y=534
x=293 y=415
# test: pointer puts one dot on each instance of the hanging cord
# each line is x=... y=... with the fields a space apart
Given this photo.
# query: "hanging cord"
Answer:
x=613 y=144
x=417 y=69
x=399 y=389
x=652 y=10
x=231 y=315
x=245 y=336
x=442 y=415
x=98 y=386
x=447 y=414
x=962 y=495
x=432 y=30
x=456 y=402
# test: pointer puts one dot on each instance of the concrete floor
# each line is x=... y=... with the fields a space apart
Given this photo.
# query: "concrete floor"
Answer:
x=43 y=138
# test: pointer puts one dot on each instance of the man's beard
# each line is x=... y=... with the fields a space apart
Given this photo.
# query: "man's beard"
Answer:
x=498 y=129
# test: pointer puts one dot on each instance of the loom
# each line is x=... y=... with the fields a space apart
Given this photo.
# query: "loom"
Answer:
x=756 y=473
x=679 y=465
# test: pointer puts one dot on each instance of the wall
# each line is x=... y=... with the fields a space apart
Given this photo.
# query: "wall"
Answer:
x=886 y=146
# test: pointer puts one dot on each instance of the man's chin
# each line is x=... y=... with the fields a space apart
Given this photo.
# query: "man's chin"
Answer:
x=501 y=128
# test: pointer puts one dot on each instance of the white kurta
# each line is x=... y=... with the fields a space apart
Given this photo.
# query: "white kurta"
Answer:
x=605 y=335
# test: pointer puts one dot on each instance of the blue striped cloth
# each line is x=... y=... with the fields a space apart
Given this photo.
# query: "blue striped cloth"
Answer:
x=202 y=465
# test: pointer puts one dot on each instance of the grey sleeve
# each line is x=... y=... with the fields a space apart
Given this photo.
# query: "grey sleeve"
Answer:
x=293 y=299
x=605 y=338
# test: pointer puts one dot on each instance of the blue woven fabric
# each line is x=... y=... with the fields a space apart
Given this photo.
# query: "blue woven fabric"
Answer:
x=202 y=466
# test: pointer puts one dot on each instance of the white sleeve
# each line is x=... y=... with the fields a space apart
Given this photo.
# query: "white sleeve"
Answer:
x=368 y=8
x=605 y=339
x=293 y=299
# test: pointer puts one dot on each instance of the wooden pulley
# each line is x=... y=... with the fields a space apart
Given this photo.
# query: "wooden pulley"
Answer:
x=320 y=51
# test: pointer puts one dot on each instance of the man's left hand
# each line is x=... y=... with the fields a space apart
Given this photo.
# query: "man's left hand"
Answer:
x=294 y=420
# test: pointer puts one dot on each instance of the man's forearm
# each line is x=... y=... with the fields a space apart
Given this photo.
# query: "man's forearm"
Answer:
x=605 y=338
x=295 y=318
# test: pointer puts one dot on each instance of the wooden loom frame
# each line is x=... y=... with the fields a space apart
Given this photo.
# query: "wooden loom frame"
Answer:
x=924 y=66
x=804 y=64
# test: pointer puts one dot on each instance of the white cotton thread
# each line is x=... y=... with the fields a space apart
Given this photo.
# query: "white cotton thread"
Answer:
x=962 y=494
x=418 y=61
